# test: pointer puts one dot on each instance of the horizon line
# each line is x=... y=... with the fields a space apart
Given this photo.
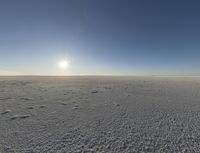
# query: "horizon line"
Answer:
x=102 y=75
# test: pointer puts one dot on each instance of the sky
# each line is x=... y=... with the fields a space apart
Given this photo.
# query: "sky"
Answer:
x=100 y=37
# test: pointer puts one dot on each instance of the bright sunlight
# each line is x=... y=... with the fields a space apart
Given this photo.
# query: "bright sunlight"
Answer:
x=63 y=64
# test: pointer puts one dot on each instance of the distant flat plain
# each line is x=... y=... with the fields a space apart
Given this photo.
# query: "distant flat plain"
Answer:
x=85 y=114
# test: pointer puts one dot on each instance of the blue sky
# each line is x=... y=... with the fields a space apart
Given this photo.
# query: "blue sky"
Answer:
x=99 y=37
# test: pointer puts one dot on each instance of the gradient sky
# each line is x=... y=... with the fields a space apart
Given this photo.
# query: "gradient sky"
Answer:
x=99 y=37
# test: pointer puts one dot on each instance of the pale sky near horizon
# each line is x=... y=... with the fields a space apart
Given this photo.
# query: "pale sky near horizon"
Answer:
x=99 y=37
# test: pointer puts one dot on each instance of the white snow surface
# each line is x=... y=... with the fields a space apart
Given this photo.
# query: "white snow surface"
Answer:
x=99 y=114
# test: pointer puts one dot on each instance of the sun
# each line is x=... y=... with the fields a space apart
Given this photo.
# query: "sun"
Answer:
x=63 y=64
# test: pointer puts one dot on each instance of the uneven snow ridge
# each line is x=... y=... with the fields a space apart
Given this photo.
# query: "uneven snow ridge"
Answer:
x=99 y=114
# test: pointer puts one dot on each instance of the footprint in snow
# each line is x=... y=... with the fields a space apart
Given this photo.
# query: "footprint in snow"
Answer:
x=30 y=107
x=76 y=107
x=42 y=106
x=94 y=91
x=25 y=99
x=116 y=104
x=19 y=116
x=6 y=112
x=64 y=103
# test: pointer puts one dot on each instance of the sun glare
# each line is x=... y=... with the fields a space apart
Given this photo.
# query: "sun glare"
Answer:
x=63 y=64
